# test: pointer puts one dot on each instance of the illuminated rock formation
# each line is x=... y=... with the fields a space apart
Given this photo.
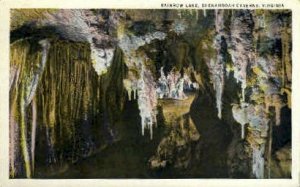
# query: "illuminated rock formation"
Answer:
x=147 y=101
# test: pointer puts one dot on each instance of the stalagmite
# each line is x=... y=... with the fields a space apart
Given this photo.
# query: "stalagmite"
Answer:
x=174 y=85
x=162 y=85
x=173 y=82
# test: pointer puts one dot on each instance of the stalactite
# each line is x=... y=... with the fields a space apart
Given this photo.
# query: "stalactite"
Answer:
x=147 y=100
x=127 y=84
x=204 y=12
x=241 y=44
x=13 y=139
x=45 y=45
x=33 y=133
x=217 y=67
x=241 y=116
x=23 y=135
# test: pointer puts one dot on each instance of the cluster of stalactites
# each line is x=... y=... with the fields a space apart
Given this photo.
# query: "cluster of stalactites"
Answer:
x=131 y=86
x=255 y=115
x=24 y=78
x=144 y=90
x=142 y=85
x=265 y=81
x=147 y=100
x=173 y=85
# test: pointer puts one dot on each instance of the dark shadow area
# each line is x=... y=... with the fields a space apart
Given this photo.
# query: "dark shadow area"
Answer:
x=282 y=133
x=215 y=136
x=125 y=158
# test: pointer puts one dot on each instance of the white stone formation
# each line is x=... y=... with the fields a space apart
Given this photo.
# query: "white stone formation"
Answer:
x=147 y=100
x=174 y=85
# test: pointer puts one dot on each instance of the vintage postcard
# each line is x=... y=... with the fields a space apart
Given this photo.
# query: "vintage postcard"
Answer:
x=162 y=93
